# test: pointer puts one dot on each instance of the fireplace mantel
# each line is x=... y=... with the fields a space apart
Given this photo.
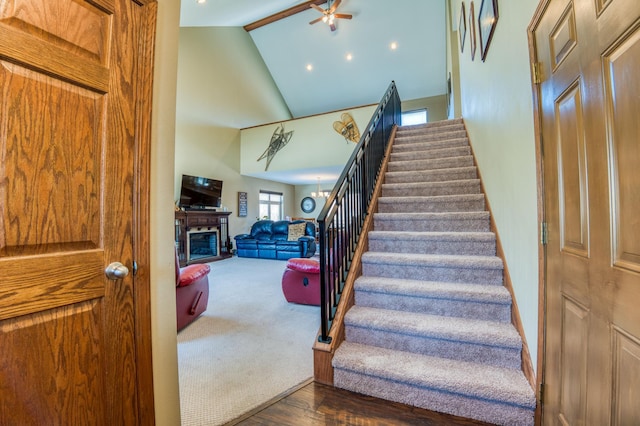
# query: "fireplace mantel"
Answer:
x=201 y=221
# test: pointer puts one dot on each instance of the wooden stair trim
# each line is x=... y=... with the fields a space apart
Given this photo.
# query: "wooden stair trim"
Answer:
x=323 y=352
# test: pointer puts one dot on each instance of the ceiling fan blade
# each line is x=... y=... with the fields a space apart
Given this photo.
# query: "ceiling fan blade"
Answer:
x=318 y=8
x=342 y=16
x=316 y=20
x=334 y=6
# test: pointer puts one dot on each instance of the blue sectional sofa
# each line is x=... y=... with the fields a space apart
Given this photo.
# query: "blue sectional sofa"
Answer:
x=281 y=240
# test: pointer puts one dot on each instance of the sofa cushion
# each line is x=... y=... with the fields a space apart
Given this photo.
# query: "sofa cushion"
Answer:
x=262 y=229
x=296 y=230
x=192 y=273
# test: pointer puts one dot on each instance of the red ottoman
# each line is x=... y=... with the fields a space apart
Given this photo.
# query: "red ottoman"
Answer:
x=301 y=281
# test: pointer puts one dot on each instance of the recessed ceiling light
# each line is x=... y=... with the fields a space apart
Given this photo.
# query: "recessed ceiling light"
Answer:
x=309 y=67
x=393 y=45
x=201 y=1
x=349 y=56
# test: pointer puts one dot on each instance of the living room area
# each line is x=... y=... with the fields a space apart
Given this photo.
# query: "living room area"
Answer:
x=251 y=344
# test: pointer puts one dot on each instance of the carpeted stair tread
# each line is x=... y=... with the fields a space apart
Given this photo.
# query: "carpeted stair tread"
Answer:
x=413 y=130
x=436 y=203
x=442 y=174
x=439 y=153
x=408 y=236
x=458 y=377
x=461 y=243
x=426 y=136
x=433 y=164
x=425 y=146
x=434 y=290
x=488 y=262
x=439 y=123
x=437 y=126
x=434 y=267
x=432 y=221
x=455 y=187
x=451 y=329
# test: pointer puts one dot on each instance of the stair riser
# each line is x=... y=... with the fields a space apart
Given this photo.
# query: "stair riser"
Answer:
x=429 y=206
x=478 y=248
x=433 y=306
x=430 y=154
x=425 y=146
x=408 y=225
x=430 y=190
x=432 y=176
x=429 y=136
x=433 y=399
x=433 y=273
x=440 y=347
x=422 y=165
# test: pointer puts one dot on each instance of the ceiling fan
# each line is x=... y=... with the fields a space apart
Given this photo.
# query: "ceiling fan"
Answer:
x=328 y=15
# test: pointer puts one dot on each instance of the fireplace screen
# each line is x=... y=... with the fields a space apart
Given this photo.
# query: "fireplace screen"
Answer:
x=201 y=244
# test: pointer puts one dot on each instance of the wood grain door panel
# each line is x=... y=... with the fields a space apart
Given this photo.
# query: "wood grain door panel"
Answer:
x=69 y=131
x=589 y=101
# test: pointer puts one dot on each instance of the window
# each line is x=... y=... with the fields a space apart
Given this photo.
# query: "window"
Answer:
x=418 y=116
x=271 y=205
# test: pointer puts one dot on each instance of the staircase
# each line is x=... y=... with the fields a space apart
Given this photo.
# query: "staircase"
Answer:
x=431 y=322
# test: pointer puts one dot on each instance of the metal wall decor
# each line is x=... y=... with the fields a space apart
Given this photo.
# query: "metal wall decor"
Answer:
x=278 y=140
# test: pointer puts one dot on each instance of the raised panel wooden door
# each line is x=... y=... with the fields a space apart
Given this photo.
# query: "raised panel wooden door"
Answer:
x=589 y=98
x=68 y=99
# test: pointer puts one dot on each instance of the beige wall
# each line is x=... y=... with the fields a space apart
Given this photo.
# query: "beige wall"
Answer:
x=223 y=82
x=436 y=106
x=496 y=102
x=163 y=294
x=313 y=144
x=223 y=86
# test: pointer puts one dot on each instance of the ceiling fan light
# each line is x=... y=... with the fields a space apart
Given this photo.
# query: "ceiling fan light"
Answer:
x=325 y=19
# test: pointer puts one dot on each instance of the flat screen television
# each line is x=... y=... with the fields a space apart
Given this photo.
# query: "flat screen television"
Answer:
x=200 y=193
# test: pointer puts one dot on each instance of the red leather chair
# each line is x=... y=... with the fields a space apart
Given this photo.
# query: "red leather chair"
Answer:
x=301 y=281
x=192 y=292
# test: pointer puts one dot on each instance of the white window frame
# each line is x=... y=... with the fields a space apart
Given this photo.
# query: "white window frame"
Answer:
x=412 y=117
x=275 y=199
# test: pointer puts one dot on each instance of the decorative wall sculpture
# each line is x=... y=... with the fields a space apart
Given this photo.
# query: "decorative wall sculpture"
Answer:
x=347 y=128
x=278 y=140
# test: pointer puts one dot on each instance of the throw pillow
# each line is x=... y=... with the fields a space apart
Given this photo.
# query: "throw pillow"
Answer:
x=296 y=230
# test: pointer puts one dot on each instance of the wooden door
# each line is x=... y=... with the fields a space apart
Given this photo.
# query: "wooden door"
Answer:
x=589 y=101
x=71 y=132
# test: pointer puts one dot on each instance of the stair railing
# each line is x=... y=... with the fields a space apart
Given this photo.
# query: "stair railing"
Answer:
x=340 y=221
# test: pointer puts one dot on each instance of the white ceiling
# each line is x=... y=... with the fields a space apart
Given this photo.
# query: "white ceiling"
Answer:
x=418 y=65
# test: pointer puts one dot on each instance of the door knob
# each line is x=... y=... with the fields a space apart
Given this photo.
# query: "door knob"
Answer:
x=116 y=271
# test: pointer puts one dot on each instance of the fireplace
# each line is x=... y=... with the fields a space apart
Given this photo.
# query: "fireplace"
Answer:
x=201 y=243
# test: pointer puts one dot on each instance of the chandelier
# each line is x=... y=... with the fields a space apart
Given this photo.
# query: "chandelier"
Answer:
x=320 y=193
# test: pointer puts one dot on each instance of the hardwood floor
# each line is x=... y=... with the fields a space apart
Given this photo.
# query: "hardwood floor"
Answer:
x=317 y=404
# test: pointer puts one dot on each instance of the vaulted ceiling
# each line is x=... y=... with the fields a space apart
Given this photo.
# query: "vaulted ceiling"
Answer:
x=289 y=45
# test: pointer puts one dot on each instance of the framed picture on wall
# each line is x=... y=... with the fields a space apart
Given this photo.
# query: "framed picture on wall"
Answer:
x=242 y=204
x=462 y=27
x=472 y=30
x=487 y=20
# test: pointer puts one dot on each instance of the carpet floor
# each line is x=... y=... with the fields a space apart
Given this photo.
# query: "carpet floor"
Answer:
x=248 y=347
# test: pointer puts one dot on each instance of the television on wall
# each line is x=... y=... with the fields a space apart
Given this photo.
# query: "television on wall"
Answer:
x=200 y=193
